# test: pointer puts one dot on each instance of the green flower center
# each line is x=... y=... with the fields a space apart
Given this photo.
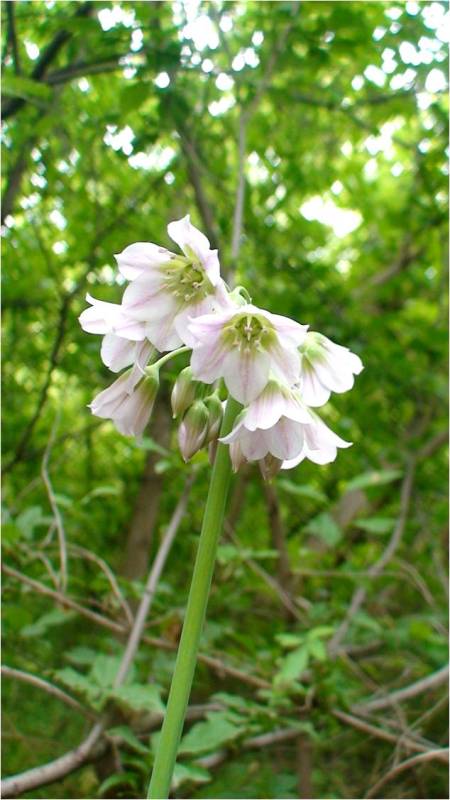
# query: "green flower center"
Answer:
x=249 y=332
x=312 y=348
x=187 y=279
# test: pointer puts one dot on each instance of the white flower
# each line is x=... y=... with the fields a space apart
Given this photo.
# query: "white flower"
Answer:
x=320 y=444
x=167 y=290
x=326 y=367
x=127 y=405
x=244 y=345
x=278 y=424
x=105 y=318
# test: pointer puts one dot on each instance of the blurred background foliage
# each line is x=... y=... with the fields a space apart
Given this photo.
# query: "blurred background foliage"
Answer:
x=332 y=118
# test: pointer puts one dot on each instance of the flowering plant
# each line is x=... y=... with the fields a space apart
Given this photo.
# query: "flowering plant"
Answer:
x=274 y=370
x=273 y=366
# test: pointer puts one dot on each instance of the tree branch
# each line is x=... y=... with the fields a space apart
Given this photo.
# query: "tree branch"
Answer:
x=441 y=754
x=47 y=57
x=39 y=683
x=424 y=685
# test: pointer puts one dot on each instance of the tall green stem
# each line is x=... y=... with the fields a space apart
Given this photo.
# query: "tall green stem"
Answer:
x=195 y=614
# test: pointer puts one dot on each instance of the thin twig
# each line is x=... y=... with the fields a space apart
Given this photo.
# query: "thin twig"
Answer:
x=152 y=582
x=409 y=742
x=90 y=556
x=55 y=510
x=440 y=754
x=216 y=664
x=50 y=688
x=424 y=685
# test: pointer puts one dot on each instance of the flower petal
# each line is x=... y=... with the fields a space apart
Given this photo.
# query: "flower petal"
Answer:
x=245 y=373
x=141 y=257
x=116 y=352
x=194 y=243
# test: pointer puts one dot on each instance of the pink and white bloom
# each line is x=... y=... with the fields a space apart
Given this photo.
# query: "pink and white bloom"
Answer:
x=279 y=424
x=326 y=367
x=320 y=444
x=167 y=290
x=102 y=318
x=128 y=405
x=244 y=346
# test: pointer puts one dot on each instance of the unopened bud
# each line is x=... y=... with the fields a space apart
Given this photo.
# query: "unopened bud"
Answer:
x=193 y=430
x=183 y=392
x=269 y=466
x=151 y=383
x=240 y=296
x=236 y=455
x=215 y=411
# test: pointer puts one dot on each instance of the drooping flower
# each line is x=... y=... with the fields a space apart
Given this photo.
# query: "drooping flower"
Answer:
x=279 y=424
x=128 y=402
x=124 y=339
x=103 y=317
x=243 y=346
x=183 y=392
x=326 y=367
x=167 y=290
x=320 y=444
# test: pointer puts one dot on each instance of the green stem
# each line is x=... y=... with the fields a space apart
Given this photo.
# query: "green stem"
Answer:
x=195 y=614
x=168 y=356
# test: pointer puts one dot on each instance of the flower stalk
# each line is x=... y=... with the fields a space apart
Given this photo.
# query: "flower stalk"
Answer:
x=195 y=614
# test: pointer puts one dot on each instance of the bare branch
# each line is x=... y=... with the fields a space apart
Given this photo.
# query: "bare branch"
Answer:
x=409 y=742
x=441 y=754
x=55 y=510
x=47 y=57
x=54 y=770
x=50 y=688
x=90 y=556
x=426 y=684
x=216 y=664
x=154 y=575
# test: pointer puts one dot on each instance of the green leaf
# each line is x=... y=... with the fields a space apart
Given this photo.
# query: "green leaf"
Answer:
x=302 y=490
x=81 y=656
x=78 y=683
x=50 y=620
x=139 y=697
x=376 y=524
x=104 y=670
x=129 y=737
x=325 y=527
x=188 y=772
x=376 y=478
x=293 y=665
x=117 y=779
x=214 y=732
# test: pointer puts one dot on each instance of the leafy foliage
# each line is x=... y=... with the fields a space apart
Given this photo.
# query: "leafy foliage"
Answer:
x=119 y=117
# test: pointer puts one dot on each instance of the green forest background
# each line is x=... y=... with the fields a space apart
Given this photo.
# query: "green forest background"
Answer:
x=329 y=595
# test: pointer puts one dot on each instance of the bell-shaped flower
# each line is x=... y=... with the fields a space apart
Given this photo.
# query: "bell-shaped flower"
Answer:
x=320 y=444
x=326 y=367
x=167 y=290
x=103 y=318
x=128 y=402
x=278 y=424
x=243 y=346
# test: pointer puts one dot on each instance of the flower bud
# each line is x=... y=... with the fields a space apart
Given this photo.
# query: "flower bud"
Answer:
x=240 y=296
x=269 y=466
x=193 y=429
x=215 y=411
x=183 y=392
